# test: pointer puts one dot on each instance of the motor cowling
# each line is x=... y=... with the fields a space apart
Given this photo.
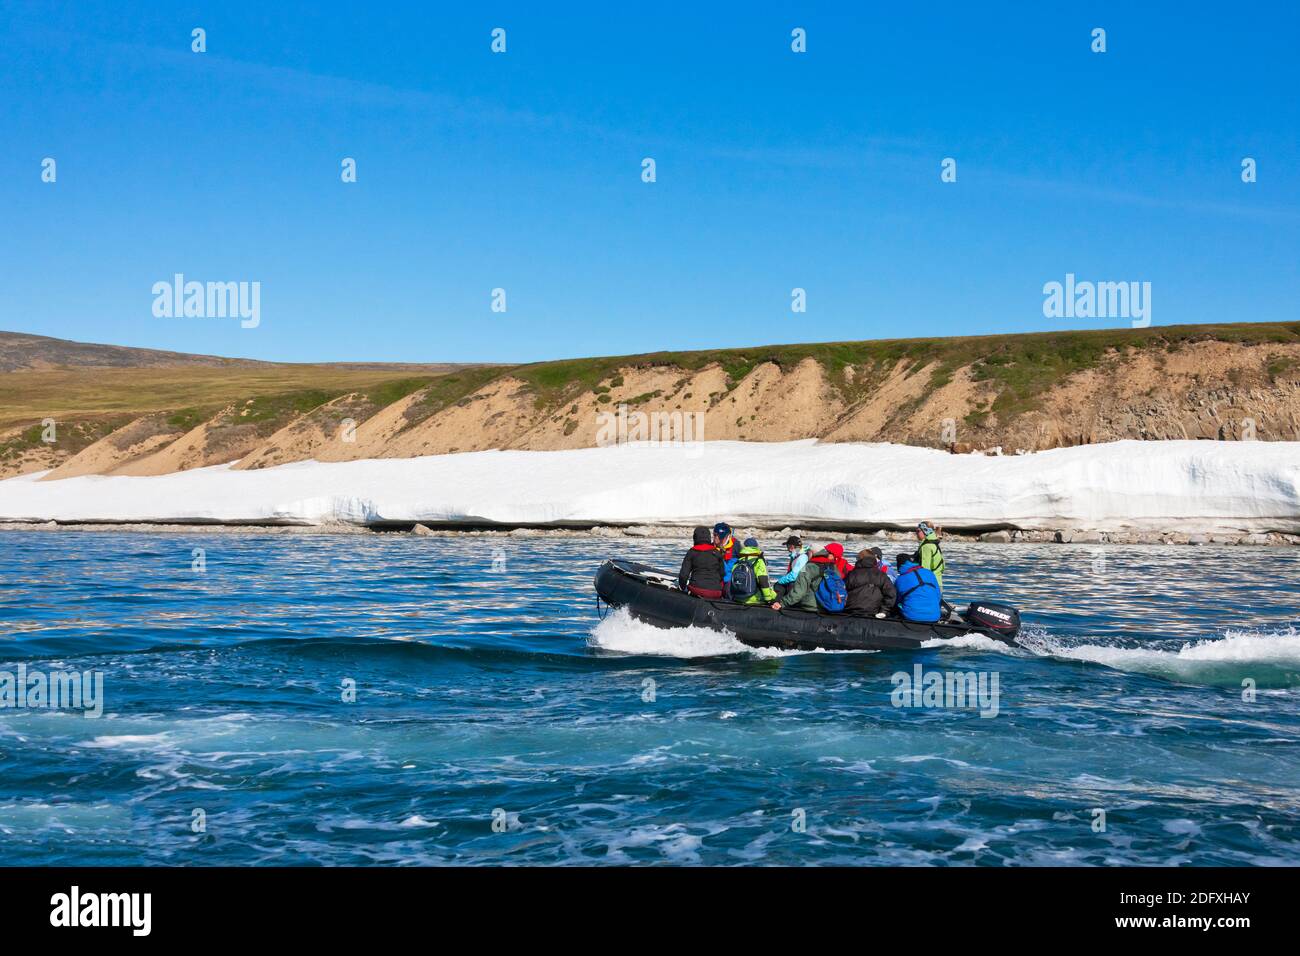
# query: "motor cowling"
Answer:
x=1000 y=619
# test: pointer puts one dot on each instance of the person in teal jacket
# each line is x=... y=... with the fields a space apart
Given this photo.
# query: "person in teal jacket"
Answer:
x=798 y=558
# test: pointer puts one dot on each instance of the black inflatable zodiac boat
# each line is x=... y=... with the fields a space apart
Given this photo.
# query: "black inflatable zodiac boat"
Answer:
x=652 y=596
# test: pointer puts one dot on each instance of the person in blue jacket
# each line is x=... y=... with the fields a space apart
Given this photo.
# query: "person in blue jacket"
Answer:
x=798 y=558
x=918 y=592
x=728 y=547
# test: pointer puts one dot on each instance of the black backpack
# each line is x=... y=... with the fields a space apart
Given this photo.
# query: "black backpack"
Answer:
x=744 y=579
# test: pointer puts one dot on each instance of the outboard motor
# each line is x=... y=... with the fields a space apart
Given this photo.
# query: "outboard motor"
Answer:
x=999 y=620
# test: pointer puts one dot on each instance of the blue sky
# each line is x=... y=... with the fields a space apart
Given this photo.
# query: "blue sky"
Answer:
x=775 y=170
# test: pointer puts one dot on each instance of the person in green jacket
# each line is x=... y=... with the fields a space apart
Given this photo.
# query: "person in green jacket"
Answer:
x=802 y=595
x=929 y=555
x=752 y=555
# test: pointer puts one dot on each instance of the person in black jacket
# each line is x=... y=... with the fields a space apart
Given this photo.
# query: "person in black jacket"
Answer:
x=701 y=572
x=870 y=590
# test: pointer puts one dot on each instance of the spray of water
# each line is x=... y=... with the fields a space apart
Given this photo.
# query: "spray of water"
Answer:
x=1269 y=658
x=621 y=633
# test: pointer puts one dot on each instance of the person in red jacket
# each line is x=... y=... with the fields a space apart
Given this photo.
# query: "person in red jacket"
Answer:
x=836 y=551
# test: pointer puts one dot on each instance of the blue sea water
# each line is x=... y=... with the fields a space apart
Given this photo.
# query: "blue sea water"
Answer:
x=496 y=720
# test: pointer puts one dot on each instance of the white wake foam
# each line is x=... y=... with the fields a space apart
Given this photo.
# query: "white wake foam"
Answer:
x=978 y=642
x=624 y=634
x=621 y=633
x=1269 y=656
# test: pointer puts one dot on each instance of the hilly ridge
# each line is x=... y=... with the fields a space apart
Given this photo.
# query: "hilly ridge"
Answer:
x=149 y=412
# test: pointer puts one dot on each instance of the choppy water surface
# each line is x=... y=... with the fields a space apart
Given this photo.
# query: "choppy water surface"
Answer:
x=482 y=693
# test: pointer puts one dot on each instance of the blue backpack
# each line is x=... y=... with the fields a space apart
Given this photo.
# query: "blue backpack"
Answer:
x=831 y=594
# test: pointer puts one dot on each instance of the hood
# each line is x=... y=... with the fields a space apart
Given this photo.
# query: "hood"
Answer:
x=836 y=550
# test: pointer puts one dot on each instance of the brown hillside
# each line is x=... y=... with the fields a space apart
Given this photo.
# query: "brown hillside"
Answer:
x=1016 y=392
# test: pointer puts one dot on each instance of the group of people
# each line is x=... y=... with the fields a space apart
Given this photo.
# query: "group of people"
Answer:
x=718 y=567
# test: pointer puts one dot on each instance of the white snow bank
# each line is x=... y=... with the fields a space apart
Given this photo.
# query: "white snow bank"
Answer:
x=1131 y=485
